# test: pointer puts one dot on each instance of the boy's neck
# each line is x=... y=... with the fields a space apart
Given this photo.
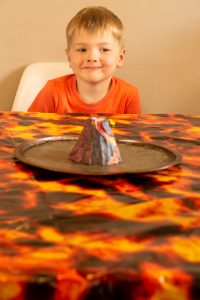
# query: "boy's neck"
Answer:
x=93 y=93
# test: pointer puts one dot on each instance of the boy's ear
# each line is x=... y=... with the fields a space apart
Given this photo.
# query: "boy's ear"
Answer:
x=121 y=58
x=68 y=57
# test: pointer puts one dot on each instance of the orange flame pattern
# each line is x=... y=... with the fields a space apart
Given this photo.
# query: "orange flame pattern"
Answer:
x=70 y=237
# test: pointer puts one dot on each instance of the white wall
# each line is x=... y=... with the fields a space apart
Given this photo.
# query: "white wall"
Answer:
x=162 y=39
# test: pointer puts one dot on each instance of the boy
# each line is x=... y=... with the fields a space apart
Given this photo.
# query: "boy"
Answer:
x=94 y=50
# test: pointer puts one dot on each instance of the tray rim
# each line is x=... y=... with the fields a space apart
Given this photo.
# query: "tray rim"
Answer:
x=22 y=147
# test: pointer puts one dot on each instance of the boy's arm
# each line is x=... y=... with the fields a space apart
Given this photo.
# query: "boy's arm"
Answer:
x=44 y=101
x=133 y=105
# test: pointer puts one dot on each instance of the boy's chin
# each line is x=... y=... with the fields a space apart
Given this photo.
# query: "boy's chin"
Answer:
x=95 y=79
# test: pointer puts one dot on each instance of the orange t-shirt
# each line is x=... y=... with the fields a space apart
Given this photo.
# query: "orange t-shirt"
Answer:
x=60 y=96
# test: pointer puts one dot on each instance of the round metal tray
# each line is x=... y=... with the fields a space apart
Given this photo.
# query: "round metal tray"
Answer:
x=52 y=153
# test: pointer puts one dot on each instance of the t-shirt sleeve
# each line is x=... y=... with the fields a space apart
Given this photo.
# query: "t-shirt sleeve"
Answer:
x=133 y=105
x=44 y=101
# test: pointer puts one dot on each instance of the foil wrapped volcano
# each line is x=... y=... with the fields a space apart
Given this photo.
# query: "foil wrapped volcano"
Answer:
x=96 y=144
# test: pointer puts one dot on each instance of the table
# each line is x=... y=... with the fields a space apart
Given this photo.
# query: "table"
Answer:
x=73 y=237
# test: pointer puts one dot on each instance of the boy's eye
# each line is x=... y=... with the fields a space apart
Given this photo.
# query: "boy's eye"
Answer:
x=104 y=50
x=81 y=50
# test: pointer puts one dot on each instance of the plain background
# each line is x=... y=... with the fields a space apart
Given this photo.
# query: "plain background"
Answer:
x=162 y=40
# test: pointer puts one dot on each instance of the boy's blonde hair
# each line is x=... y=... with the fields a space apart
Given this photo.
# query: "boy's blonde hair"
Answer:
x=94 y=19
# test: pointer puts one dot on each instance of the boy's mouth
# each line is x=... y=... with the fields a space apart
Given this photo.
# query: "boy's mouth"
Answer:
x=92 y=67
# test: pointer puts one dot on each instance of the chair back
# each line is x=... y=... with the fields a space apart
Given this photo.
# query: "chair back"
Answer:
x=33 y=79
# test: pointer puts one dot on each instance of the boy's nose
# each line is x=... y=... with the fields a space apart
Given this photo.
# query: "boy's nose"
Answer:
x=91 y=60
x=92 y=56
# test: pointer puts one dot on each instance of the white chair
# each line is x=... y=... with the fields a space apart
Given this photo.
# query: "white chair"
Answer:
x=33 y=79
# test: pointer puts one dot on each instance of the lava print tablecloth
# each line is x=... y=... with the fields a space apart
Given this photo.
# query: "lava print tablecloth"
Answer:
x=122 y=237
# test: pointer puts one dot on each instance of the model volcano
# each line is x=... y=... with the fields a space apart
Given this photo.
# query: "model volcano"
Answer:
x=96 y=144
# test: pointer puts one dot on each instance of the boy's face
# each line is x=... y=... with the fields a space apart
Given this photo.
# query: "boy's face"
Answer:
x=95 y=57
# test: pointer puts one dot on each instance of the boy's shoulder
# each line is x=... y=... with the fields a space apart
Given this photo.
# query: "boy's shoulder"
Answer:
x=61 y=79
x=124 y=84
